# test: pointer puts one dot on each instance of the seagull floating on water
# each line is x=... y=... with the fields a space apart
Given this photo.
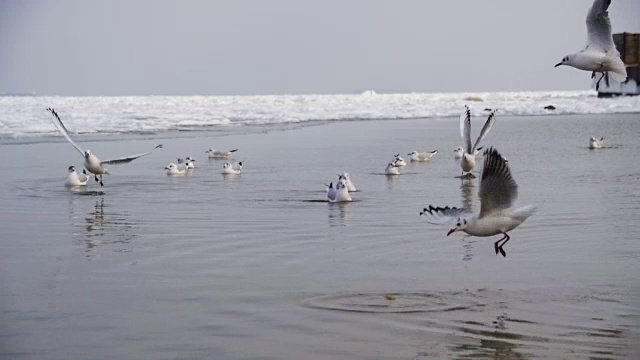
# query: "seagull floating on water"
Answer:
x=347 y=178
x=421 y=156
x=468 y=159
x=75 y=179
x=498 y=191
x=188 y=162
x=399 y=161
x=219 y=154
x=595 y=143
x=392 y=169
x=229 y=168
x=600 y=54
x=174 y=170
x=340 y=193
x=91 y=162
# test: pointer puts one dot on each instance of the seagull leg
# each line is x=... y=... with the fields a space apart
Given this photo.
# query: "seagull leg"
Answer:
x=495 y=245
x=504 y=254
x=96 y=177
x=593 y=75
x=101 y=184
x=606 y=78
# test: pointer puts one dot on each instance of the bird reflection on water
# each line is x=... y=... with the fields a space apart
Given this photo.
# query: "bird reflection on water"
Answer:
x=467 y=189
x=107 y=227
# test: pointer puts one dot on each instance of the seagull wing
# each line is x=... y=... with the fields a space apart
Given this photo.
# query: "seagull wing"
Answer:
x=128 y=159
x=498 y=190
x=599 y=27
x=485 y=130
x=465 y=129
x=60 y=126
x=443 y=215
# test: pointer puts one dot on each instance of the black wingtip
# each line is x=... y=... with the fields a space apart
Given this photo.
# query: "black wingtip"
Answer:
x=159 y=146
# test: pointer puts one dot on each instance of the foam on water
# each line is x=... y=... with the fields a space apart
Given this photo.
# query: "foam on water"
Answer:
x=25 y=116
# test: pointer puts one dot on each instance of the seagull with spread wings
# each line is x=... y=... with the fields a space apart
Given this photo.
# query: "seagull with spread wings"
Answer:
x=91 y=162
x=600 y=54
x=498 y=191
x=469 y=152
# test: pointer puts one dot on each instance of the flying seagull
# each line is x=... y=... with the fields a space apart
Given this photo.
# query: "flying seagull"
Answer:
x=498 y=191
x=600 y=54
x=91 y=162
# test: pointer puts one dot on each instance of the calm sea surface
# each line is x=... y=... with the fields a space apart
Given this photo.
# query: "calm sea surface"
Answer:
x=256 y=266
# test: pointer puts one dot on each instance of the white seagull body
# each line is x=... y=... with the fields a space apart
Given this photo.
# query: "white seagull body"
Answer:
x=188 y=162
x=468 y=158
x=217 y=154
x=340 y=193
x=421 y=156
x=399 y=161
x=91 y=162
x=347 y=178
x=498 y=191
x=595 y=143
x=75 y=179
x=174 y=170
x=229 y=168
x=392 y=169
x=600 y=54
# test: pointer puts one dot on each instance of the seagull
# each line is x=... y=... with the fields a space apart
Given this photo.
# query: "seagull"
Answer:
x=392 y=169
x=340 y=193
x=75 y=179
x=600 y=54
x=595 y=143
x=331 y=192
x=347 y=178
x=498 y=191
x=217 y=154
x=422 y=156
x=399 y=161
x=187 y=162
x=228 y=168
x=174 y=170
x=468 y=159
x=91 y=162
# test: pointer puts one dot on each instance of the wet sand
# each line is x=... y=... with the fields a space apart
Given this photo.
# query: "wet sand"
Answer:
x=258 y=266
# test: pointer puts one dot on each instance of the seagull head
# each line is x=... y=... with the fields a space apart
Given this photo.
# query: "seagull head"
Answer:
x=565 y=61
x=209 y=151
x=226 y=165
x=170 y=166
x=413 y=153
x=87 y=153
x=461 y=224
x=73 y=168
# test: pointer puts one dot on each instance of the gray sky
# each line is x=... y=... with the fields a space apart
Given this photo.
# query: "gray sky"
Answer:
x=228 y=47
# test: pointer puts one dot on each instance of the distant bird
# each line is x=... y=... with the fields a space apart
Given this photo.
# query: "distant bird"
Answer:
x=421 y=156
x=340 y=193
x=229 y=168
x=600 y=55
x=549 y=107
x=188 y=162
x=595 y=143
x=174 y=170
x=399 y=161
x=350 y=185
x=91 y=162
x=218 y=154
x=75 y=179
x=392 y=169
x=331 y=192
x=468 y=159
x=498 y=191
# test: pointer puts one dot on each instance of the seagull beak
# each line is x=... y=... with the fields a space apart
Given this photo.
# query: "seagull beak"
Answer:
x=452 y=231
x=558 y=64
